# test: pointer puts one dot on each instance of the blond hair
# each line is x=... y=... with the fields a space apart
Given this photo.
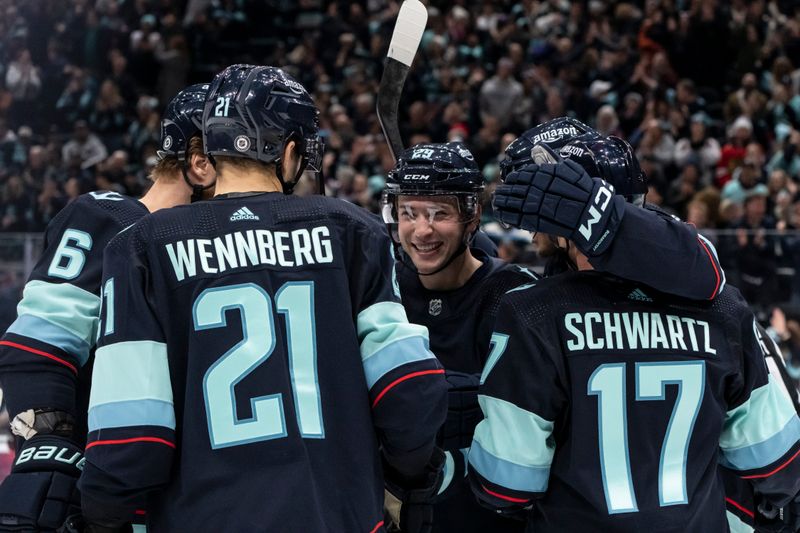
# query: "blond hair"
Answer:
x=169 y=168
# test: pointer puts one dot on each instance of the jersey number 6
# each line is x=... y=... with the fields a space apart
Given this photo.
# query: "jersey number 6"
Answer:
x=295 y=300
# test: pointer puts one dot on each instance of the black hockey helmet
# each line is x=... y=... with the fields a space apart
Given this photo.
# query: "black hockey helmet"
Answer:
x=554 y=134
x=182 y=119
x=254 y=111
x=609 y=158
x=434 y=169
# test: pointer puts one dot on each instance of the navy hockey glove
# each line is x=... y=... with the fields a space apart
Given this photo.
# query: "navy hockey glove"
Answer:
x=463 y=410
x=40 y=492
x=410 y=502
x=561 y=199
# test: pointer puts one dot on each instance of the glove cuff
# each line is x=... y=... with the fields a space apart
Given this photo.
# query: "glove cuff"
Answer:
x=421 y=487
x=603 y=242
x=48 y=453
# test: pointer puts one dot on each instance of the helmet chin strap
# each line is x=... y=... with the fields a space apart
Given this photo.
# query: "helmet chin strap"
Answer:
x=197 y=190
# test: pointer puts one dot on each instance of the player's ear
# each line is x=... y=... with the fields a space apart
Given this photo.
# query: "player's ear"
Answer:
x=290 y=161
x=202 y=168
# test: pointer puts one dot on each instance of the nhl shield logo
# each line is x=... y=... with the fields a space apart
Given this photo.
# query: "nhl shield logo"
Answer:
x=167 y=142
x=435 y=307
x=241 y=143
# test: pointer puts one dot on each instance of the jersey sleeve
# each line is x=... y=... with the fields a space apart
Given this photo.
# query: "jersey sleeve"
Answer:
x=131 y=415
x=513 y=448
x=657 y=249
x=408 y=392
x=56 y=325
x=760 y=440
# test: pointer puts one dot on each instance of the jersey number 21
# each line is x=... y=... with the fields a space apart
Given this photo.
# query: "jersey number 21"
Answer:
x=295 y=300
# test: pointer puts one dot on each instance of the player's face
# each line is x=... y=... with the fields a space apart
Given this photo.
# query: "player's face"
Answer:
x=430 y=230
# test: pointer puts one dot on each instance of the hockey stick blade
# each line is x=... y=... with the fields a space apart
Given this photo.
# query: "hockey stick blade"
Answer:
x=408 y=30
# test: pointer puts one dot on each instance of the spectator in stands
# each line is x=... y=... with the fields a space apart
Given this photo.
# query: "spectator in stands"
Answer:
x=501 y=95
x=756 y=249
x=85 y=150
x=745 y=177
x=109 y=116
x=699 y=147
x=75 y=103
x=24 y=83
x=12 y=153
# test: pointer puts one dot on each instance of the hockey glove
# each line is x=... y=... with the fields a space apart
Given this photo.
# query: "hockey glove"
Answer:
x=463 y=410
x=561 y=199
x=40 y=492
x=409 y=503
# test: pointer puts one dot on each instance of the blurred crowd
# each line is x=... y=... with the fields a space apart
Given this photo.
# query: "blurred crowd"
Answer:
x=707 y=91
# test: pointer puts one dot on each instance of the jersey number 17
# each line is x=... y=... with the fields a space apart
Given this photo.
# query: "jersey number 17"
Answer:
x=607 y=382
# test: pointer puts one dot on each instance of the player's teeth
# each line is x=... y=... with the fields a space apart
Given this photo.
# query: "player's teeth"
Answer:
x=427 y=248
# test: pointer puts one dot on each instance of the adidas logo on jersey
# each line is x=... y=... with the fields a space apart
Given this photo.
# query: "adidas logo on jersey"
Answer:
x=639 y=296
x=244 y=214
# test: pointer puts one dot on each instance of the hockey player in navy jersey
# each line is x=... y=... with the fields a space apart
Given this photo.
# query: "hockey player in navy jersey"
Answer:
x=270 y=380
x=608 y=404
x=645 y=245
x=432 y=208
x=747 y=511
x=46 y=354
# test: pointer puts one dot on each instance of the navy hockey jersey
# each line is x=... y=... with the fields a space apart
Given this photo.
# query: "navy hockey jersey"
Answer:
x=253 y=358
x=460 y=321
x=45 y=350
x=460 y=324
x=659 y=250
x=740 y=498
x=609 y=406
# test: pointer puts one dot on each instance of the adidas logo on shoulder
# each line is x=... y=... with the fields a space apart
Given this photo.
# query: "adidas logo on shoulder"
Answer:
x=244 y=214
x=639 y=296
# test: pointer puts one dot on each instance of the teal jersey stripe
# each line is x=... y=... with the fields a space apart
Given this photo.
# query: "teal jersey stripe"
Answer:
x=382 y=324
x=761 y=417
x=449 y=471
x=514 y=434
x=507 y=474
x=394 y=355
x=132 y=370
x=42 y=330
x=766 y=452
x=66 y=306
x=736 y=525
x=132 y=413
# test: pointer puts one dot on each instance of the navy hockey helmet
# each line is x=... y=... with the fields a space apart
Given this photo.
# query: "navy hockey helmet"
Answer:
x=554 y=134
x=254 y=111
x=183 y=118
x=609 y=158
x=434 y=169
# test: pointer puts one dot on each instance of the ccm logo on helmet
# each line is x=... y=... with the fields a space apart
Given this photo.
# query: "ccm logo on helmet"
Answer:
x=554 y=135
x=55 y=453
x=416 y=177
x=601 y=200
